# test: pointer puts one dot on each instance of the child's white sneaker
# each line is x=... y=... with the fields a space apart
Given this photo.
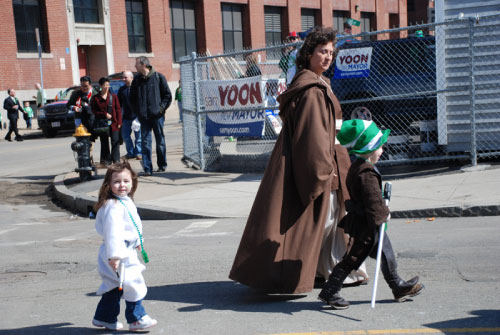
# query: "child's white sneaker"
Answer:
x=144 y=323
x=108 y=325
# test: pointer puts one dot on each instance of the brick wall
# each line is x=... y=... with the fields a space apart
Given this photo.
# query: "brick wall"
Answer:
x=157 y=23
x=23 y=73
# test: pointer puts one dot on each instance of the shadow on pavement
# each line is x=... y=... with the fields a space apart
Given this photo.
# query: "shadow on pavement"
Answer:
x=56 y=329
x=179 y=175
x=46 y=178
x=410 y=171
x=483 y=318
x=229 y=295
x=249 y=177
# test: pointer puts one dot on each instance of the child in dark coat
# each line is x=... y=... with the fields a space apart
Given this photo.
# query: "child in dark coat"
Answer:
x=366 y=212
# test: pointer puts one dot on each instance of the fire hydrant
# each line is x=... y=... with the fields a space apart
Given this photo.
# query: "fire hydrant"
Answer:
x=82 y=148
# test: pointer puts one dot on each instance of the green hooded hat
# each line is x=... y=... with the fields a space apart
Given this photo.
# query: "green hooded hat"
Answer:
x=362 y=136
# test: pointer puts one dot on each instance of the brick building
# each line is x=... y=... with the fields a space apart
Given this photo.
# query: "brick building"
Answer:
x=100 y=37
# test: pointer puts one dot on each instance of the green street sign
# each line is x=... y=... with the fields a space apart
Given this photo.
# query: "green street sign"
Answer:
x=353 y=22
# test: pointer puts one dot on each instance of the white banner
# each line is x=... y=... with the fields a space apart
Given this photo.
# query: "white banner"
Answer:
x=231 y=94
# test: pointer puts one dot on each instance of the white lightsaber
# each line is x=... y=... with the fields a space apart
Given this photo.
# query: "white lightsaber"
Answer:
x=387 y=197
x=121 y=275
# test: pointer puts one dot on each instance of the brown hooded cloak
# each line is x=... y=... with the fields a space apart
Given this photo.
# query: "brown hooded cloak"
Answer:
x=279 y=250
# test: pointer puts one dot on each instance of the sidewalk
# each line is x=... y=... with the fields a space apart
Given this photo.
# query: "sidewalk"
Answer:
x=21 y=125
x=182 y=192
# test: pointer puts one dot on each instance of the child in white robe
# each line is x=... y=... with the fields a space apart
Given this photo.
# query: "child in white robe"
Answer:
x=119 y=224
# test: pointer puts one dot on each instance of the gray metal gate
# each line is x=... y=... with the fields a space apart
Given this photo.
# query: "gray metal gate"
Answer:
x=436 y=87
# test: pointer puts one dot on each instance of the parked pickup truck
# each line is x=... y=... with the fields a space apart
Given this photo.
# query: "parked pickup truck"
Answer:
x=54 y=117
x=395 y=79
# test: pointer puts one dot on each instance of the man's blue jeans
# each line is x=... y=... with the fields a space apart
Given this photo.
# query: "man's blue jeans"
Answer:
x=155 y=125
x=109 y=307
x=132 y=149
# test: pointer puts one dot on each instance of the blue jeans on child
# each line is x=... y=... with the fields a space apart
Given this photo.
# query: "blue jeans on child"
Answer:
x=132 y=149
x=109 y=307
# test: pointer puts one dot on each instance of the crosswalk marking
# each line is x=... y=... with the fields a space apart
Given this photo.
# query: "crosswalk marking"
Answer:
x=205 y=234
x=30 y=223
x=195 y=229
x=7 y=230
x=196 y=226
x=74 y=236
x=19 y=244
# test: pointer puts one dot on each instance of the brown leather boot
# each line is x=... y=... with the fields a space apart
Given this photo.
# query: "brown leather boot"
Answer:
x=330 y=292
x=403 y=290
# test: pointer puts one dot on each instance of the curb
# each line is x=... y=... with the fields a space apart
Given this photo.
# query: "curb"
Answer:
x=33 y=135
x=455 y=211
x=84 y=204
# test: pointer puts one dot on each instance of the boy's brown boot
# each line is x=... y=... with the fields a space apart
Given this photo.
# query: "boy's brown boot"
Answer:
x=330 y=292
x=403 y=290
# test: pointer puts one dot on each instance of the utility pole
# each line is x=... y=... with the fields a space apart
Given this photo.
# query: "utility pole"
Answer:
x=37 y=33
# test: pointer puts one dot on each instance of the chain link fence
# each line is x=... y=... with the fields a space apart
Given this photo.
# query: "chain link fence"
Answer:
x=436 y=86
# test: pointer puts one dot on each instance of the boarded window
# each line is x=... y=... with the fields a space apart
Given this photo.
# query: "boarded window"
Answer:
x=307 y=18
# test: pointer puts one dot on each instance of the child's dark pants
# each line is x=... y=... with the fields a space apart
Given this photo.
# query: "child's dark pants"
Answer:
x=109 y=308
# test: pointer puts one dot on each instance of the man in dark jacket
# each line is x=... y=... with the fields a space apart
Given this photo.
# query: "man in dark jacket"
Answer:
x=79 y=102
x=150 y=97
x=128 y=117
x=13 y=107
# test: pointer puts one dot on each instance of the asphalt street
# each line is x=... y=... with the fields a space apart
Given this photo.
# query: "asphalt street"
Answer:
x=48 y=277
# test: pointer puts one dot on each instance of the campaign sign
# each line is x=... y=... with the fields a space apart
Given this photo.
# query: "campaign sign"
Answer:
x=238 y=123
x=353 y=63
x=230 y=95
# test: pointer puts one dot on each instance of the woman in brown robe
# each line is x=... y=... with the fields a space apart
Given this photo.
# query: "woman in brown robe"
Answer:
x=280 y=247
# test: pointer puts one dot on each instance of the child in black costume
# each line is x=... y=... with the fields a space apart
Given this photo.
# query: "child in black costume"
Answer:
x=366 y=212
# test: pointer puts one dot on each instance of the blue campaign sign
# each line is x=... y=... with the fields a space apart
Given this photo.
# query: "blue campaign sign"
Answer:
x=238 y=123
x=353 y=63
x=226 y=97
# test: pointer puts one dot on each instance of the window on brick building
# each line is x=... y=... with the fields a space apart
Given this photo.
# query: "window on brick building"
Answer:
x=307 y=18
x=394 y=23
x=368 y=24
x=272 y=20
x=339 y=17
x=232 y=27
x=135 y=26
x=86 y=11
x=28 y=17
x=410 y=5
x=182 y=18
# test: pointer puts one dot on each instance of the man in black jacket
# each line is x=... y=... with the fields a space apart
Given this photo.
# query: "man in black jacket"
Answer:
x=79 y=102
x=150 y=97
x=134 y=150
x=13 y=107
